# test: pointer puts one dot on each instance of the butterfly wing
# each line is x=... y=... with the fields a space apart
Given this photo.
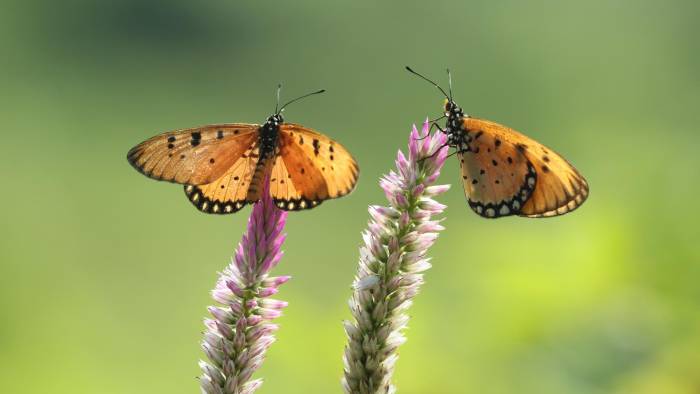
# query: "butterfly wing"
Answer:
x=230 y=192
x=309 y=169
x=507 y=173
x=195 y=156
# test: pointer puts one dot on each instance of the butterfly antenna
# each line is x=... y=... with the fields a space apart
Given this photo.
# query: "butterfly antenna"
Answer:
x=279 y=87
x=430 y=81
x=449 y=82
x=299 y=98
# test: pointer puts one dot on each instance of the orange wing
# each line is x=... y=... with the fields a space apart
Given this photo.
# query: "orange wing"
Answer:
x=506 y=173
x=195 y=156
x=230 y=192
x=309 y=169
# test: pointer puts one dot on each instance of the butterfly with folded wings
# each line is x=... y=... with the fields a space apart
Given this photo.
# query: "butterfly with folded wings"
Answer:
x=505 y=172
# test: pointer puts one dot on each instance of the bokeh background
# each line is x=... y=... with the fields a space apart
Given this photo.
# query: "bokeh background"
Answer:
x=105 y=275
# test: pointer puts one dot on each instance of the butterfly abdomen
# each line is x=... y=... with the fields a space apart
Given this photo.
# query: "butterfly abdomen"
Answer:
x=262 y=169
x=269 y=138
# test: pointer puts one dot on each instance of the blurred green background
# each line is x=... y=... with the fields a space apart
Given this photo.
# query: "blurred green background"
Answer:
x=105 y=275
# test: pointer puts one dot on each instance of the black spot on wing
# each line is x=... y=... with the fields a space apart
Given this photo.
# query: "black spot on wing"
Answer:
x=196 y=138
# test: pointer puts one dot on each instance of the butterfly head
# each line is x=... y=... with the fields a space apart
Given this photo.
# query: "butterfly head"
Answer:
x=452 y=109
x=275 y=120
x=454 y=114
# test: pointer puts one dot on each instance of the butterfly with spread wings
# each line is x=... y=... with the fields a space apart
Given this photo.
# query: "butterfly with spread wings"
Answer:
x=507 y=173
x=223 y=166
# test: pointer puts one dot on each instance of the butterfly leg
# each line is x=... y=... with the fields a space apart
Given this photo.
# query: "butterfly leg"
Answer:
x=436 y=119
x=438 y=127
x=436 y=152
x=454 y=153
x=427 y=135
x=433 y=123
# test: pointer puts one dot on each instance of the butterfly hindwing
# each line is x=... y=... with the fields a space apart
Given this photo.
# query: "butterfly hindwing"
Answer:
x=497 y=178
x=309 y=169
x=283 y=190
x=506 y=173
x=230 y=192
x=194 y=156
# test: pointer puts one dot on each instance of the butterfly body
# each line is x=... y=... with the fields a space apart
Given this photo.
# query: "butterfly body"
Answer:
x=507 y=173
x=268 y=138
x=223 y=167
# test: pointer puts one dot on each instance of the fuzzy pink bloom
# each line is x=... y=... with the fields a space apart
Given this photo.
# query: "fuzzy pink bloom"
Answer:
x=240 y=331
x=391 y=264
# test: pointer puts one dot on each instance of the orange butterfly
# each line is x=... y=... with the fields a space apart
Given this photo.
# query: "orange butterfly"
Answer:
x=223 y=166
x=507 y=173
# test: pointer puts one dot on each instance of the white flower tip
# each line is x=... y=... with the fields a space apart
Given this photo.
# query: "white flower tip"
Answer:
x=366 y=283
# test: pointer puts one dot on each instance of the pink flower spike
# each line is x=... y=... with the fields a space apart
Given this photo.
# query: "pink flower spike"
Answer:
x=242 y=307
x=391 y=263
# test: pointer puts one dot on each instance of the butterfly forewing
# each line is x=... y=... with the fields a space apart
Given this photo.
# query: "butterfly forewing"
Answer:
x=194 y=156
x=507 y=173
x=313 y=168
x=560 y=187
